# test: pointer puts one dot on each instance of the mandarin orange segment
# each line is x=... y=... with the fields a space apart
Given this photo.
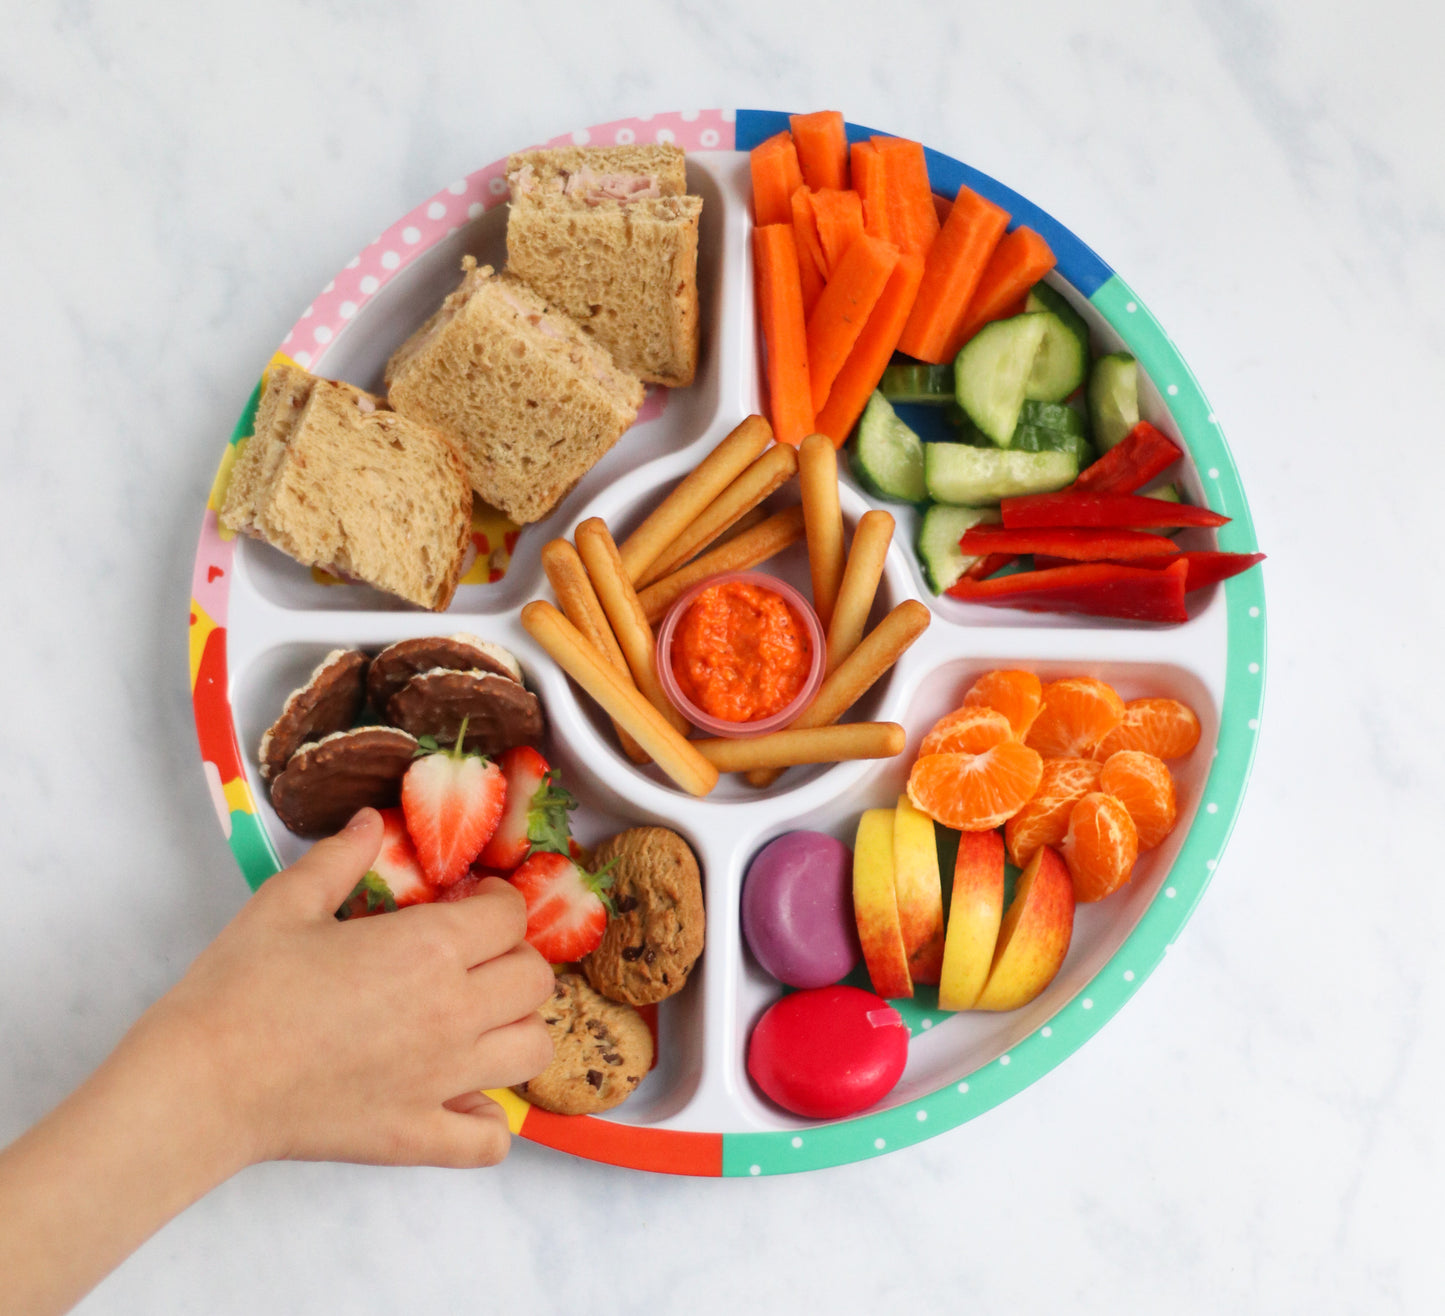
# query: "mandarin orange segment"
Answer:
x=967 y=731
x=1165 y=728
x=975 y=792
x=1100 y=846
x=1014 y=694
x=1076 y=714
x=1142 y=784
x=1044 y=820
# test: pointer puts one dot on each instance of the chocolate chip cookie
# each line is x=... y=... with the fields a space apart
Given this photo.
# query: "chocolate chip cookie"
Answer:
x=656 y=934
x=603 y=1051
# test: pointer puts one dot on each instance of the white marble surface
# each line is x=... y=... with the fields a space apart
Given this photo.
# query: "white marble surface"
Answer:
x=1259 y=1129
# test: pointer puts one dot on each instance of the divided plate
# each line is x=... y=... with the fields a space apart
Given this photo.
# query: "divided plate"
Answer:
x=259 y=623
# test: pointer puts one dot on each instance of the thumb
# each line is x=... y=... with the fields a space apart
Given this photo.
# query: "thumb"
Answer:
x=325 y=875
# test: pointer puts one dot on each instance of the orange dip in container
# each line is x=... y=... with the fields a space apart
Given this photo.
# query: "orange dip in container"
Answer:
x=740 y=653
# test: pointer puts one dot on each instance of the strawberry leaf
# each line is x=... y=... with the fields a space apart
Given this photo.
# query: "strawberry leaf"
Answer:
x=373 y=891
x=547 y=824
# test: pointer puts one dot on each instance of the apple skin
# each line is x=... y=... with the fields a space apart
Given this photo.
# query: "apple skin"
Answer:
x=875 y=905
x=975 y=912
x=1034 y=936
x=919 y=890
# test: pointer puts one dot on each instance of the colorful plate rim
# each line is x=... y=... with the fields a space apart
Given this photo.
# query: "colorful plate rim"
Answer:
x=789 y=1151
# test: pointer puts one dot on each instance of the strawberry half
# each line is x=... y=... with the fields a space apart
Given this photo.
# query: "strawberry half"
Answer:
x=536 y=814
x=567 y=906
x=395 y=879
x=453 y=802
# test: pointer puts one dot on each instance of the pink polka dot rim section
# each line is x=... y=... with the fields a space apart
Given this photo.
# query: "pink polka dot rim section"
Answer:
x=438 y=216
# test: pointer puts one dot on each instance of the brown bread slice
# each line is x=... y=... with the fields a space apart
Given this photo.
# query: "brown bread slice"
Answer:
x=668 y=164
x=338 y=482
x=607 y=235
x=530 y=400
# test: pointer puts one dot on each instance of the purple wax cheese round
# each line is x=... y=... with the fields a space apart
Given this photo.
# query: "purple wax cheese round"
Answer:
x=798 y=909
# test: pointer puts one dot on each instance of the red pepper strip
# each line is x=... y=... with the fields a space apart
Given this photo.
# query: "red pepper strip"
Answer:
x=1130 y=464
x=1075 y=545
x=1095 y=589
x=1205 y=568
x=986 y=566
x=1067 y=508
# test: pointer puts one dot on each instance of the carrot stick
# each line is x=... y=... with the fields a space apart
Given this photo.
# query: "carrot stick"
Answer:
x=870 y=181
x=1019 y=261
x=776 y=176
x=865 y=364
x=941 y=206
x=812 y=267
x=822 y=148
x=843 y=310
x=840 y=221
x=911 y=215
x=954 y=267
x=780 y=312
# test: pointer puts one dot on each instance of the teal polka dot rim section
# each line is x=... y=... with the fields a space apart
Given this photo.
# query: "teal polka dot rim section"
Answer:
x=820 y=1146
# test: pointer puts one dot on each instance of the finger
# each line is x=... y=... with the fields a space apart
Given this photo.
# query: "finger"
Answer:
x=512 y=1054
x=319 y=882
x=509 y=987
x=465 y=1139
x=482 y=926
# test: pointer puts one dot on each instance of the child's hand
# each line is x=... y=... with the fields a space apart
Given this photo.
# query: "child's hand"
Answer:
x=367 y=1040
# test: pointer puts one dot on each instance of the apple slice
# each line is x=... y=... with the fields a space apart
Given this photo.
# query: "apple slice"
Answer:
x=975 y=911
x=1035 y=934
x=875 y=905
x=919 y=889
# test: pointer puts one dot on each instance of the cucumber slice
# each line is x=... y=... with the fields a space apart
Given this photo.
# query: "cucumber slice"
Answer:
x=1168 y=493
x=917 y=383
x=991 y=373
x=964 y=476
x=937 y=543
x=1043 y=298
x=1113 y=398
x=967 y=431
x=1054 y=416
x=1039 y=438
x=887 y=456
x=1062 y=362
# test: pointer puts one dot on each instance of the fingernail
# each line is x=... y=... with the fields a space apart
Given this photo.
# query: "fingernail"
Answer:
x=359 y=820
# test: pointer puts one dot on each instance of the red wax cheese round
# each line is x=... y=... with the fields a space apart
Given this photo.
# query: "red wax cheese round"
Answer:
x=828 y=1051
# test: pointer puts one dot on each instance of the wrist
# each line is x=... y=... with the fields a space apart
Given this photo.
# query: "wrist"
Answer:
x=166 y=1078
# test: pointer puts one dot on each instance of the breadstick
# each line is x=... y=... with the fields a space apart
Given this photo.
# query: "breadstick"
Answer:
x=818 y=474
x=699 y=487
x=740 y=554
x=784 y=749
x=578 y=601
x=745 y=522
x=619 y=602
x=860 y=583
x=619 y=698
x=770 y=472
x=880 y=649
